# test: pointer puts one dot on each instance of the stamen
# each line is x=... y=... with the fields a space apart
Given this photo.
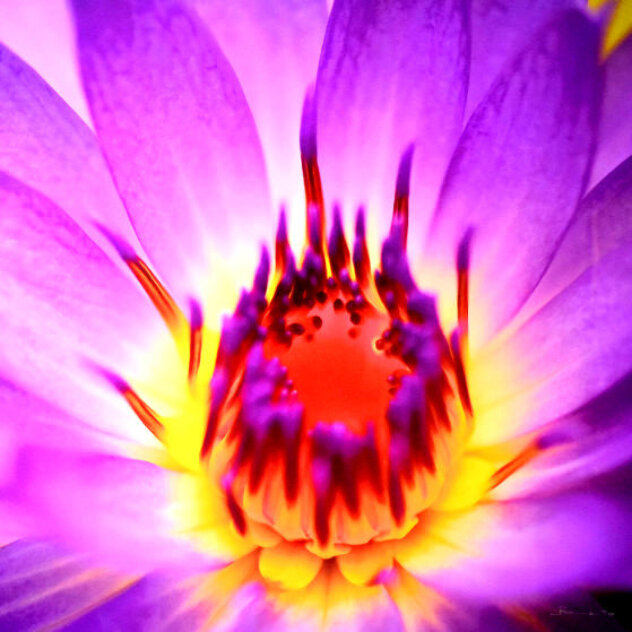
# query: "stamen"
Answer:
x=195 y=341
x=158 y=294
x=457 y=352
x=402 y=193
x=162 y=300
x=143 y=411
x=338 y=249
x=462 y=270
x=311 y=173
x=361 y=261
x=531 y=451
x=282 y=247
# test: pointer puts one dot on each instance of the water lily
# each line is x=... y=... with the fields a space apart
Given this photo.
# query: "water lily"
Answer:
x=318 y=318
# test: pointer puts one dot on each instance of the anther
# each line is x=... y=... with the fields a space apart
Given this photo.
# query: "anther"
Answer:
x=157 y=293
x=462 y=270
x=338 y=249
x=195 y=340
x=402 y=193
x=361 y=262
x=143 y=411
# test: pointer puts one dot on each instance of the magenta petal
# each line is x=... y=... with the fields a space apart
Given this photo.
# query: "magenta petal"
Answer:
x=615 y=128
x=43 y=587
x=177 y=133
x=40 y=32
x=520 y=169
x=274 y=49
x=46 y=145
x=391 y=74
x=66 y=308
x=500 y=30
x=532 y=549
x=113 y=508
x=574 y=348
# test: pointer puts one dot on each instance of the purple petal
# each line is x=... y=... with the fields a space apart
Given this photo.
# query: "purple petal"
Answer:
x=153 y=603
x=391 y=74
x=67 y=308
x=602 y=223
x=115 y=509
x=177 y=133
x=591 y=441
x=274 y=49
x=615 y=128
x=522 y=550
x=43 y=587
x=519 y=171
x=40 y=32
x=45 y=145
x=500 y=30
x=574 y=348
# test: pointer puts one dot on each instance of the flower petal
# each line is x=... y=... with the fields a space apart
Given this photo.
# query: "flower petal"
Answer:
x=113 y=508
x=46 y=44
x=615 y=128
x=390 y=74
x=523 y=549
x=274 y=49
x=589 y=442
x=45 y=144
x=155 y=602
x=42 y=586
x=518 y=173
x=574 y=348
x=500 y=30
x=178 y=135
x=67 y=308
x=602 y=223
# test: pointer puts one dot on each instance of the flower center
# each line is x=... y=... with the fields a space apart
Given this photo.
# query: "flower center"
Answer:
x=337 y=403
x=334 y=392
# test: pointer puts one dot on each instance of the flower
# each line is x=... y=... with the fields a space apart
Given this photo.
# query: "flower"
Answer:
x=425 y=430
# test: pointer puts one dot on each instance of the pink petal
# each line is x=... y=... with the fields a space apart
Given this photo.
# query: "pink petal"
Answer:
x=67 y=309
x=500 y=30
x=113 y=508
x=390 y=74
x=178 y=135
x=274 y=49
x=572 y=349
x=520 y=550
x=519 y=171
x=615 y=128
x=47 y=146
x=41 y=33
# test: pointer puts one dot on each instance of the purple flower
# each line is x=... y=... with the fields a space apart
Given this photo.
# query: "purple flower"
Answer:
x=417 y=413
